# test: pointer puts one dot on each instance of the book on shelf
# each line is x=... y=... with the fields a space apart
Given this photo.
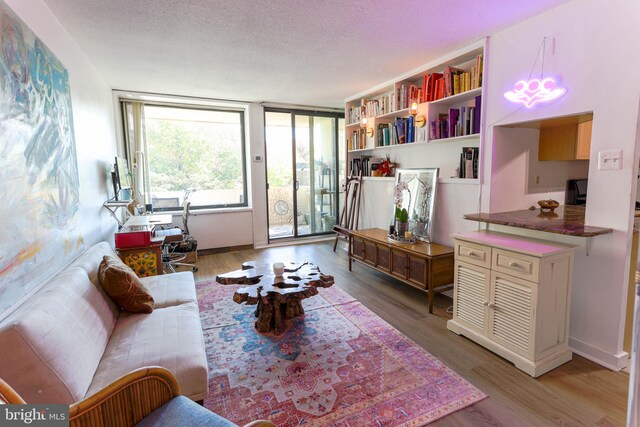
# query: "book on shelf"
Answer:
x=401 y=130
x=440 y=127
x=478 y=106
x=421 y=134
x=454 y=115
x=358 y=139
x=407 y=92
x=366 y=165
x=430 y=87
x=410 y=129
x=469 y=163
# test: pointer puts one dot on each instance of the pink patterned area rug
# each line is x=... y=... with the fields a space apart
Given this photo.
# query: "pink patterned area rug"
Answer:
x=338 y=365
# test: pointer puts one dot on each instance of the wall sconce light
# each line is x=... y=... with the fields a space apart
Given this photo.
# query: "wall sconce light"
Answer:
x=363 y=125
x=413 y=107
x=418 y=119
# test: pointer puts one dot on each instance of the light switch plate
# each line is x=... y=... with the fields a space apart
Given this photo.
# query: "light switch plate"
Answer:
x=610 y=160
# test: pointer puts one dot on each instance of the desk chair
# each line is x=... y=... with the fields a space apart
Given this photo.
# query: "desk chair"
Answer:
x=145 y=397
x=178 y=241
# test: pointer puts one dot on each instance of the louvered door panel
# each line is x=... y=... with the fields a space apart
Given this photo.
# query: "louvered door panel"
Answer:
x=471 y=290
x=511 y=313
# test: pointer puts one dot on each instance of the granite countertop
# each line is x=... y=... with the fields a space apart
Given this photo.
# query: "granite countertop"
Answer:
x=566 y=219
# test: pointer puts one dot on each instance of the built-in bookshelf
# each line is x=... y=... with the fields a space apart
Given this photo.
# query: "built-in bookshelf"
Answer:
x=446 y=127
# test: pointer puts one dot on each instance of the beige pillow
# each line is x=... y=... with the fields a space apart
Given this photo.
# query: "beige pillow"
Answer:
x=123 y=286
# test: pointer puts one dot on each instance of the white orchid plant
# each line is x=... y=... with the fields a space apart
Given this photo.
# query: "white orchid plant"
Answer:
x=402 y=214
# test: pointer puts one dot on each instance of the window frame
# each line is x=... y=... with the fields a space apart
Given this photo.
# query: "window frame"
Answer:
x=190 y=106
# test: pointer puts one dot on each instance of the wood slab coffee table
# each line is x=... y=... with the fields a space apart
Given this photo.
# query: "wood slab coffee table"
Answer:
x=279 y=298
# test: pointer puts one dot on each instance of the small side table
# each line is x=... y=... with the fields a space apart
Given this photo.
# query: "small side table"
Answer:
x=144 y=260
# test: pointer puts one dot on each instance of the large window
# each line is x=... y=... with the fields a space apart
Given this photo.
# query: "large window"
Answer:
x=199 y=153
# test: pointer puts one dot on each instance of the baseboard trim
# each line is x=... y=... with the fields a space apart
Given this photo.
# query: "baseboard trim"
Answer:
x=615 y=362
x=223 y=249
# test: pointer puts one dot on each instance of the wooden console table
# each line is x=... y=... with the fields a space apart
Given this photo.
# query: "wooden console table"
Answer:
x=426 y=266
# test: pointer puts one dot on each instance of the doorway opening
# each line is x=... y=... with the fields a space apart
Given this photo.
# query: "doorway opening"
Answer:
x=303 y=171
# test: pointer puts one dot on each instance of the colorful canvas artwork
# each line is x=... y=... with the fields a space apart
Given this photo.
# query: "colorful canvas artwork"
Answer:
x=39 y=183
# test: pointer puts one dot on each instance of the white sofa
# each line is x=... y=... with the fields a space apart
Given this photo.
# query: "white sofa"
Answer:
x=69 y=340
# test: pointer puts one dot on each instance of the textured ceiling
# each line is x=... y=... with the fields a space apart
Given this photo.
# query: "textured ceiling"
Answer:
x=306 y=52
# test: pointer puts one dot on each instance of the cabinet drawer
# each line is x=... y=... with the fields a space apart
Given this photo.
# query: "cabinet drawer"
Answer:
x=399 y=264
x=383 y=258
x=370 y=253
x=519 y=265
x=357 y=248
x=473 y=253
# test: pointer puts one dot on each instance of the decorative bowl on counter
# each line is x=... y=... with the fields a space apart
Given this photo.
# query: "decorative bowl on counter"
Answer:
x=548 y=204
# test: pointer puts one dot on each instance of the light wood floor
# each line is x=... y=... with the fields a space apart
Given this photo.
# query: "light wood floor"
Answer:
x=578 y=393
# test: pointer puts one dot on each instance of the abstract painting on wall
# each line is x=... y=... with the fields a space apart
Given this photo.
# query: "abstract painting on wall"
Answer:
x=39 y=186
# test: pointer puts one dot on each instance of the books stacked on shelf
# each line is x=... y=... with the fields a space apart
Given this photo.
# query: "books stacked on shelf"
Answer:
x=433 y=86
x=407 y=92
x=368 y=165
x=379 y=106
x=469 y=163
x=355 y=114
x=452 y=81
x=358 y=139
x=383 y=104
x=458 y=121
x=400 y=131
x=440 y=127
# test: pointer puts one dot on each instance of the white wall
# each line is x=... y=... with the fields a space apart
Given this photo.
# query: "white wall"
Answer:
x=595 y=44
x=92 y=117
x=453 y=200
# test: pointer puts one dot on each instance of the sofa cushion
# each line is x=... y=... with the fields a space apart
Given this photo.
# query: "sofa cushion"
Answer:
x=183 y=412
x=171 y=289
x=170 y=337
x=51 y=346
x=123 y=286
x=89 y=261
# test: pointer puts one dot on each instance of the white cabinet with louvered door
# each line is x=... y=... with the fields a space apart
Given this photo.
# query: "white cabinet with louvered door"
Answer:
x=470 y=291
x=512 y=313
x=511 y=295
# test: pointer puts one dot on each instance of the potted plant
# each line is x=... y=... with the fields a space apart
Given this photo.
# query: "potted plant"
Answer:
x=402 y=221
x=401 y=214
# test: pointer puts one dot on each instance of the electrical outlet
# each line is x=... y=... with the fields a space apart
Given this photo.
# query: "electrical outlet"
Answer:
x=610 y=160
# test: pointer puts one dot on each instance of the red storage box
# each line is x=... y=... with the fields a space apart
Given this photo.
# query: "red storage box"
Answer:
x=132 y=239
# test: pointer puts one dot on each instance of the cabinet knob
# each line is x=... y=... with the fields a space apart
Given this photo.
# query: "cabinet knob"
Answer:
x=471 y=253
x=514 y=264
x=488 y=304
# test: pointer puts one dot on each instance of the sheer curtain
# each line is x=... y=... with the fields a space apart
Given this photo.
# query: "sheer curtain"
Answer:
x=136 y=146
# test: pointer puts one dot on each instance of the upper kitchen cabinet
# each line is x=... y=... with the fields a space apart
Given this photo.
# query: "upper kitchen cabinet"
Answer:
x=567 y=138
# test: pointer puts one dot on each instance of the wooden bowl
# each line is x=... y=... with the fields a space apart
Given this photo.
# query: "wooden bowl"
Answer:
x=548 y=204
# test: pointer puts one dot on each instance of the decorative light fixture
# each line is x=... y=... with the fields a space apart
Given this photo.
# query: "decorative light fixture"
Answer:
x=413 y=107
x=418 y=120
x=363 y=124
x=534 y=91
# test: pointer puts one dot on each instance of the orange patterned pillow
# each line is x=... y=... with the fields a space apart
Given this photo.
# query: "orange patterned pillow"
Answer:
x=123 y=286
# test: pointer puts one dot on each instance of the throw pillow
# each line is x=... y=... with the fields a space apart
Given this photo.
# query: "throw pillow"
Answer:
x=123 y=286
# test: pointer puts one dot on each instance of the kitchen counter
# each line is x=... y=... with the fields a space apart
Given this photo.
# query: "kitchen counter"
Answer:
x=566 y=219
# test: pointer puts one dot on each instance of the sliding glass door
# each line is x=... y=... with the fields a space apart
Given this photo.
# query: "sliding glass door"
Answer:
x=302 y=172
